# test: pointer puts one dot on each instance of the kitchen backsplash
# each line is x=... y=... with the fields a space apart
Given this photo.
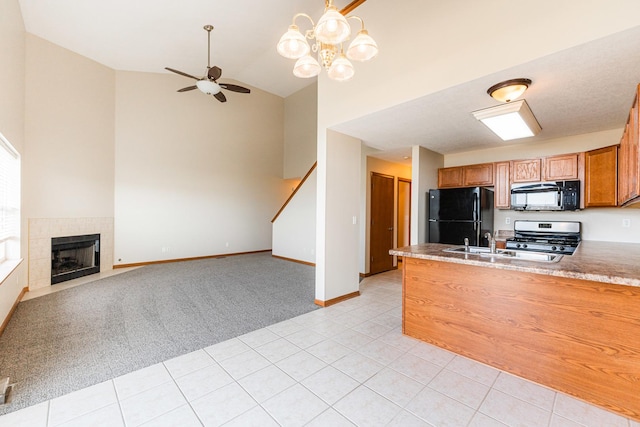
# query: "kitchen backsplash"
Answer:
x=603 y=224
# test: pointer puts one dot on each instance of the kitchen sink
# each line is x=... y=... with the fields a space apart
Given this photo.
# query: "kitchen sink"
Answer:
x=471 y=250
x=524 y=255
x=507 y=254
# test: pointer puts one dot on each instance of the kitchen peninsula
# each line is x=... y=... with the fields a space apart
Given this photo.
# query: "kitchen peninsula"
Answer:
x=572 y=325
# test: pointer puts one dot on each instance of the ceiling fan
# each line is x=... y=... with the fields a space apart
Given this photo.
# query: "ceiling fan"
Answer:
x=209 y=83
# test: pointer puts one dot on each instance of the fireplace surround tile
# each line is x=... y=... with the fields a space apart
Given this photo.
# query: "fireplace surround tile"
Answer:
x=41 y=230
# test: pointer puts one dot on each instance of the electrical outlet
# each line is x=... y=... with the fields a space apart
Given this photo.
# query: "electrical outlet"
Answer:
x=626 y=222
x=227 y=244
x=507 y=220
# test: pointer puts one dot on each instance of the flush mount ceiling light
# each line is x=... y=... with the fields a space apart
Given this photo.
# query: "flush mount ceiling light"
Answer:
x=509 y=121
x=509 y=90
x=329 y=34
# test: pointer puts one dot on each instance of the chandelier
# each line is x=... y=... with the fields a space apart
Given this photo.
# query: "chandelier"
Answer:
x=328 y=36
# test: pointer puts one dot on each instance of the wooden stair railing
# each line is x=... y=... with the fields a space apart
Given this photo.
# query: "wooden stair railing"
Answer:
x=295 y=191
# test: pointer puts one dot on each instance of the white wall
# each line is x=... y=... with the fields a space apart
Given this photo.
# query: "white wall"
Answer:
x=300 y=131
x=294 y=231
x=194 y=177
x=425 y=177
x=338 y=203
x=12 y=87
x=69 y=156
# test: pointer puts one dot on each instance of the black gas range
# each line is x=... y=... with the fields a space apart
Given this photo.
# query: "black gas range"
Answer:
x=561 y=237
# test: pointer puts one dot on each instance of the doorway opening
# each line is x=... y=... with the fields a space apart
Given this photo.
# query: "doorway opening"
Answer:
x=404 y=215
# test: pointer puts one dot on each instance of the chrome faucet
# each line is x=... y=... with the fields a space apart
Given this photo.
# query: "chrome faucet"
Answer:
x=492 y=242
x=466 y=244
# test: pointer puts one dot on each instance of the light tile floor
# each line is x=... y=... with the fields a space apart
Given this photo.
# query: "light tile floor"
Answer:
x=344 y=365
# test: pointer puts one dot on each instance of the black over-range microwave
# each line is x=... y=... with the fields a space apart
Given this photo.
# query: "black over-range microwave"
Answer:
x=546 y=196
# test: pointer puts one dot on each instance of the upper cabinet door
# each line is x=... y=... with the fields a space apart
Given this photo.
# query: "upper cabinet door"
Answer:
x=526 y=170
x=559 y=168
x=450 y=177
x=629 y=167
x=601 y=177
x=502 y=189
x=478 y=175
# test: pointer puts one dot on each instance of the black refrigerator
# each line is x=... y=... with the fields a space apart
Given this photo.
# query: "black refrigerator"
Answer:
x=456 y=213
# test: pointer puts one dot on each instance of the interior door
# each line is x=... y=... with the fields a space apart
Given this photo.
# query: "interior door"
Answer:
x=382 y=223
x=403 y=230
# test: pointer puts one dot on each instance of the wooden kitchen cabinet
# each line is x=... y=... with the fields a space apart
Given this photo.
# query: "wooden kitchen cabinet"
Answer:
x=561 y=168
x=450 y=177
x=623 y=156
x=601 y=173
x=526 y=170
x=629 y=158
x=478 y=175
x=502 y=187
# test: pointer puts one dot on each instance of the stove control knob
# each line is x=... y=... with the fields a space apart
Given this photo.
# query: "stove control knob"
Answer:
x=553 y=248
x=517 y=245
x=562 y=248
x=524 y=245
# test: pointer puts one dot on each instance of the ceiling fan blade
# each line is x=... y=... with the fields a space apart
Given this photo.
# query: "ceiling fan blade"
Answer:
x=181 y=73
x=188 y=88
x=234 y=88
x=214 y=73
x=220 y=97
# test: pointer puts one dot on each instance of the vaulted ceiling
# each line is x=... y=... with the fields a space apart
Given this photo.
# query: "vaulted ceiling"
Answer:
x=583 y=89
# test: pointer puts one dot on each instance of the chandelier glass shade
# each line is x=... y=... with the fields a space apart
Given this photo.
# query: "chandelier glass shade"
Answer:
x=328 y=37
x=332 y=27
x=341 y=69
x=363 y=47
x=293 y=44
x=306 y=67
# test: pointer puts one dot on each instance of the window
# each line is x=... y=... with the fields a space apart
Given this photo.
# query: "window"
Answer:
x=9 y=201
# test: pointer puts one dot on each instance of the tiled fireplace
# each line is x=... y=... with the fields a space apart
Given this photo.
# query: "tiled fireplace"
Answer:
x=43 y=230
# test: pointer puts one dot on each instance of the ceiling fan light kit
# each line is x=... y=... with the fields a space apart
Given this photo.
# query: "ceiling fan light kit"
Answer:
x=208 y=87
x=209 y=83
x=329 y=34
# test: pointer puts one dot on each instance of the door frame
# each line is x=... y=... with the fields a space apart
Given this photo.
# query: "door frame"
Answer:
x=397 y=230
x=393 y=221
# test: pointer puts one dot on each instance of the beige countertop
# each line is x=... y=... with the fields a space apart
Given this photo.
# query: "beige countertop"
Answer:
x=607 y=262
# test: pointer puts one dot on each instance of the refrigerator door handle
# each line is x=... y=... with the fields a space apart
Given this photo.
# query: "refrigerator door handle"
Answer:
x=475 y=207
